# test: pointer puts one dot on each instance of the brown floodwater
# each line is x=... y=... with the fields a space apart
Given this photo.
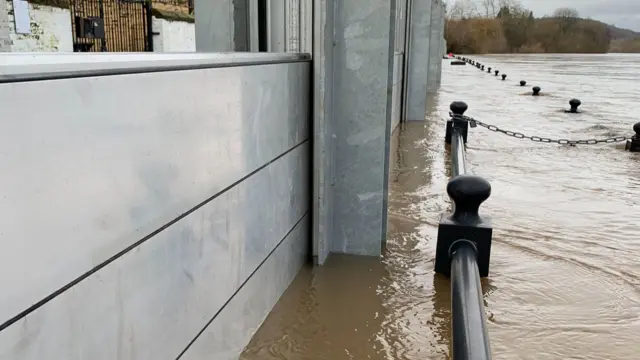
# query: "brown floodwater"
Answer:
x=565 y=264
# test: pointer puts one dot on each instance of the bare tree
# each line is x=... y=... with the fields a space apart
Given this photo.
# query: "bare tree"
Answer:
x=466 y=9
x=463 y=9
x=567 y=17
x=566 y=13
x=491 y=8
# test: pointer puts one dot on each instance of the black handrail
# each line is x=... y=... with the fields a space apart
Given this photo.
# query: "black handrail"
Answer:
x=468 y=321
x=464 y=247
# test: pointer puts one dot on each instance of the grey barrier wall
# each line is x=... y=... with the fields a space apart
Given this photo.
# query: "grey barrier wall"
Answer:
x=362 y=56
x=435 y=44
x=420 y=40
x=324 y=135
x=399 y=72
x=371 y=67
x=155 y=211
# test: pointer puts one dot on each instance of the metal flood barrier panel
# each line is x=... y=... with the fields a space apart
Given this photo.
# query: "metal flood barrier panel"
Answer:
x=155 y=207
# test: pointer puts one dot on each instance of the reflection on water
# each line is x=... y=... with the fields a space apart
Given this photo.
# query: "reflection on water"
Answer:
x=565 y=275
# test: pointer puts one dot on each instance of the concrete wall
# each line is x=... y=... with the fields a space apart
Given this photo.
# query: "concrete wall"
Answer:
x=324 y=136
x=362 y=63
x=173 y=36
x=5 y=27
x=397 y=90
x=232 y=25
x=50 y=29
x=358 y=72
x=420 y=44
x=148 y=227
x=435 y=44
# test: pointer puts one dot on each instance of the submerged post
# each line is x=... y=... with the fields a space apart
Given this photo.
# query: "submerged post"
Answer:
x=536 y=90
x=633 y=145
x=574 y=104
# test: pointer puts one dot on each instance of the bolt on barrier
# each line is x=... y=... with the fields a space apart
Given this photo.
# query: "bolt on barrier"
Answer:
x=464 y=246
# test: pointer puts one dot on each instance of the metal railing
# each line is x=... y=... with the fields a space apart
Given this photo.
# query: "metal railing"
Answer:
x=464 y=247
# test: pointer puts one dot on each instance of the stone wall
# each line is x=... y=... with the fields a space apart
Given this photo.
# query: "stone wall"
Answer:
x=173 y=36
x=50 y=29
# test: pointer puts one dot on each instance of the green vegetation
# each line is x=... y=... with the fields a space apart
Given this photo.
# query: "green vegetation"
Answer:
x=504 y=26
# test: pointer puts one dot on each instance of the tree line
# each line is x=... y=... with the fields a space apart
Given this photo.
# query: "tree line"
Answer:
x=505 y=26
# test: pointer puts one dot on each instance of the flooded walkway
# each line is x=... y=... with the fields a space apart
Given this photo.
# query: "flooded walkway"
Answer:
x=565 y=275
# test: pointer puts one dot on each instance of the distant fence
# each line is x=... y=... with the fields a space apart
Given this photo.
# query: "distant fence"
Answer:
x=111 y=25
x=119 y=25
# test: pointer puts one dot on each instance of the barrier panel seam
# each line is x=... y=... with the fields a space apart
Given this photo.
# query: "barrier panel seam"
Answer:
x=144 y=239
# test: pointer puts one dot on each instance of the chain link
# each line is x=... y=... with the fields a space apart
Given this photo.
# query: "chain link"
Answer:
x=473 y=122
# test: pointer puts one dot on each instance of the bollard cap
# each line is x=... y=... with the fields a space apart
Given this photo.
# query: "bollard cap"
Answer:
x=468 y=192
x=458 y=107
x=523 y=83
x=636 y=128
x=536 y=89
x=575 y=103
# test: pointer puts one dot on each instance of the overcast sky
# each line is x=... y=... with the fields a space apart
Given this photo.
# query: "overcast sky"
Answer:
x=621 y=13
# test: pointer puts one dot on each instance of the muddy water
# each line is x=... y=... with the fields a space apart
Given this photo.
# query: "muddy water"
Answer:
x=565 y=271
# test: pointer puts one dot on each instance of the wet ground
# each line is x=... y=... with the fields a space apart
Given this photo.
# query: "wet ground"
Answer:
x=565 y=270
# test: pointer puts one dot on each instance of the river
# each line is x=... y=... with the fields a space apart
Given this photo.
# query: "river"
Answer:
x=565 y=266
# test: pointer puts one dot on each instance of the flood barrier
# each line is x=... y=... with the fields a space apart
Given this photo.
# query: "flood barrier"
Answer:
x=154 y=206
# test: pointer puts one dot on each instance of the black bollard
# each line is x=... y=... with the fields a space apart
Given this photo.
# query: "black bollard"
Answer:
x=504 y=77
x=467 y=192
x=482 y=67
x=574 y=103
x=497 y=72
x=489 y=70
x=536 y=90
x=633 y=145
x=457 y=108
x=523 y=83
x=463 y=252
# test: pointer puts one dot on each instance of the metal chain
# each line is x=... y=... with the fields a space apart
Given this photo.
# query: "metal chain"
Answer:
x=517 y=135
